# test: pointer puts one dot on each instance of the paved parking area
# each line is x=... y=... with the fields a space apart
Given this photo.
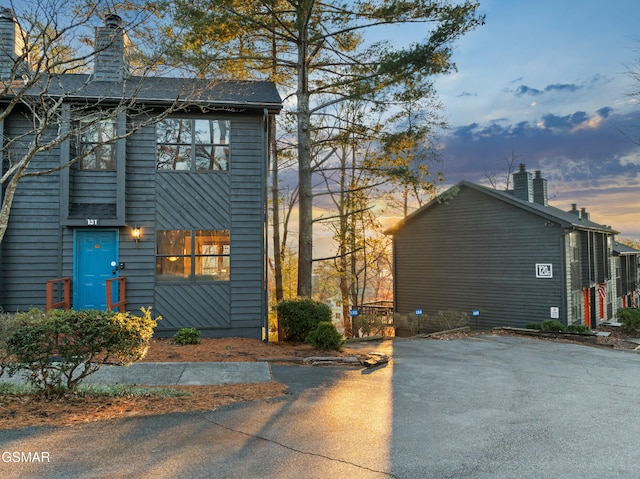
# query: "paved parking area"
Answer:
x=486 y=407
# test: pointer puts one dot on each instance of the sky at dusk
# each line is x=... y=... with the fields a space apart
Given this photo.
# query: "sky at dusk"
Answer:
x=547 y=81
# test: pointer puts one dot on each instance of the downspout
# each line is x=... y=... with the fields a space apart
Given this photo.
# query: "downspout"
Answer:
x=566 y=278
x=265 y=223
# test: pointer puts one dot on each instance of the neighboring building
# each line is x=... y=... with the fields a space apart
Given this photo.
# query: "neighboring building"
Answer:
x=178 y=207
x=627 y=269
x=508 y=256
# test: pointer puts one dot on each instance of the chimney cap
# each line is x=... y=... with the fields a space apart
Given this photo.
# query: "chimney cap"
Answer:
x=7 y=14
x=113 y=21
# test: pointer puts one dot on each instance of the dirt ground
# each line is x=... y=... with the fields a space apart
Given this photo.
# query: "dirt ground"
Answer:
x=24 y=411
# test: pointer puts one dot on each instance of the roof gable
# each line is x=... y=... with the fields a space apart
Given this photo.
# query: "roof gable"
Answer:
x=564 y=218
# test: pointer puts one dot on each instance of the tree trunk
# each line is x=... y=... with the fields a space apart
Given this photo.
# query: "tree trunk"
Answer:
x=305 y=203
x=7 y=201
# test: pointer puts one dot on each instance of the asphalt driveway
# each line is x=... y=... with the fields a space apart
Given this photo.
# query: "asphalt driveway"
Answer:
x=485 y=407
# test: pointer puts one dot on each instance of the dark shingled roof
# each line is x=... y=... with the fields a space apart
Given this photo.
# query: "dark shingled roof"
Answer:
x=622 y=249
x=165 y=90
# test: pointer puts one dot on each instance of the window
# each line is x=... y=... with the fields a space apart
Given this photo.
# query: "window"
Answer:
x=96 y=145
x=200 y=255
x=192 y=144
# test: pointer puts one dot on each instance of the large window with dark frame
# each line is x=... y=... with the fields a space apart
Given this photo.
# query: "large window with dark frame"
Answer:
x=200 y=255
x=188 y=144
x=96 y=146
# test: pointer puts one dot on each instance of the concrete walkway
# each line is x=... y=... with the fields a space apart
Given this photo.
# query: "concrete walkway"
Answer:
x=177 y=374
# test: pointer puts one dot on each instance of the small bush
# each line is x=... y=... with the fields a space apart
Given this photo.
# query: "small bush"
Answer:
x=56 y=350
x=450 y=319
x=298 y=317
x=536 y=326
x=325 y=337
x=552 y=325
x=630 y=319
x=187 y=336
x=577 y=328
x=368 y=324
x=406 y=322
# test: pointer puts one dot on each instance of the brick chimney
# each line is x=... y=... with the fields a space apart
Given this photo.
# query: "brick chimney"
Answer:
x=540 y=195
x=523 y=184
x=11 y=46
x=111 y=49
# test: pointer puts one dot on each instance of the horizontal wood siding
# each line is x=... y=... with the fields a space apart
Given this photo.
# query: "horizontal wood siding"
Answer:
x=37 y=248
x=477 y=252
x=140 y=208
x=31 y=243
x=92 y=187
x=248 y=168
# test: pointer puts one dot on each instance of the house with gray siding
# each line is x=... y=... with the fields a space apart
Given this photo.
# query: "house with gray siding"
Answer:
x=509 y=257
x=172 y=212
x=627 y=273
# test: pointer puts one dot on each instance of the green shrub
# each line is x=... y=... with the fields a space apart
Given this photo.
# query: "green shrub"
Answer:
x=577 y=328
x=187 y=336
x=536 y=326
x=325 y=337
x=630 y=319
x=56 y=350
x=298 y=317
x=552 y=325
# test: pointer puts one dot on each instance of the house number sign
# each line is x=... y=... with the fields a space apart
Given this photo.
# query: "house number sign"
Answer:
x=544 y=270
x=93 y=222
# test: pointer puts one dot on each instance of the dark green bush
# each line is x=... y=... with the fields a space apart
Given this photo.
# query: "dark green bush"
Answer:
x=56 y=350
x=187 y=336
x=325 y=337
x=298 y=317
x=536 y=326
x=577 y=328
x=552 y=325
x=630 y=319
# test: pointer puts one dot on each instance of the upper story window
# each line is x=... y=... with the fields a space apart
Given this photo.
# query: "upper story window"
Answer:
x=96 y=144
x=187 y=144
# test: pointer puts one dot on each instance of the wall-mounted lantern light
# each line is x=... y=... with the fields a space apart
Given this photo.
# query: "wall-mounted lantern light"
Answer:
x=136 y=234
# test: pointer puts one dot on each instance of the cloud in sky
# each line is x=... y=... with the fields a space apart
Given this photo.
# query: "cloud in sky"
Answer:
x=586 y=158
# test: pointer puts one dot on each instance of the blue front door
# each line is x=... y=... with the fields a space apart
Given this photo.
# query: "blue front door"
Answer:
x=96 y=254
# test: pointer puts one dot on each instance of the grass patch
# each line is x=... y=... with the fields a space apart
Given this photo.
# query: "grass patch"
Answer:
x=96 y=390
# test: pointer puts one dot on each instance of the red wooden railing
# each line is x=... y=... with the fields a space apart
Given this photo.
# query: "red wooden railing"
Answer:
x=66 y=294
x=122 y=286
